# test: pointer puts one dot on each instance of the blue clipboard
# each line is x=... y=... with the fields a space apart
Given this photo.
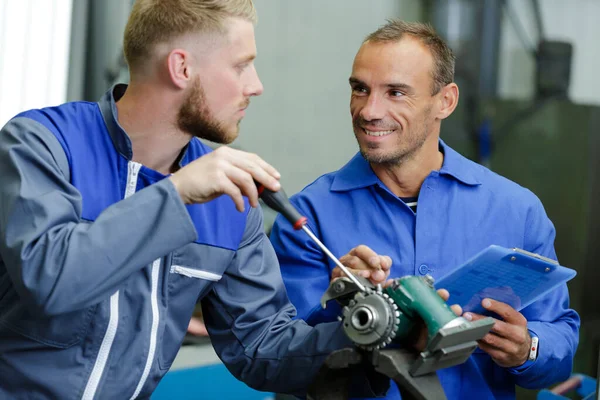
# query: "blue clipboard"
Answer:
x=513 y=276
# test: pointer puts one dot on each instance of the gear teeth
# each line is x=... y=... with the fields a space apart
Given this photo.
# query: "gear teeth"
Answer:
x=391 y=312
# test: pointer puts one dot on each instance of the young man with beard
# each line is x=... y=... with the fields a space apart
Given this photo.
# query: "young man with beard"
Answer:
x=408 y=195
x=113 y=223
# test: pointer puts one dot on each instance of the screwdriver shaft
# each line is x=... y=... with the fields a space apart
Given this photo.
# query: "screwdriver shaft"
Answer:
x=335 y=260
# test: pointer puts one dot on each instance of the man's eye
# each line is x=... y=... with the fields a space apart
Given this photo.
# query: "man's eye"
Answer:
x=359 y=89
x=396 y=93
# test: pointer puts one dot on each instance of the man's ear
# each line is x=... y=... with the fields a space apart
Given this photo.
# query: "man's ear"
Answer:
x=178 y=67
x=448 y=98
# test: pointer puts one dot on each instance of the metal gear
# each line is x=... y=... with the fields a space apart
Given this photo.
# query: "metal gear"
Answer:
x=371 y=319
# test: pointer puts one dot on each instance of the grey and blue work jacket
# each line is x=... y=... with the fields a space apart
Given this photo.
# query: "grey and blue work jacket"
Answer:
x=101 y=265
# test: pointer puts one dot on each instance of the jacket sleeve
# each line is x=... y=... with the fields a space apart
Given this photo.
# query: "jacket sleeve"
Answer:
x=249 y=318
x=305 y=270
x=549 y=318
x=56 y=262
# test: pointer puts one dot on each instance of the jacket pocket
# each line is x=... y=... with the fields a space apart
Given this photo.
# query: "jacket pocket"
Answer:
x=194 y=269
x=195 y=273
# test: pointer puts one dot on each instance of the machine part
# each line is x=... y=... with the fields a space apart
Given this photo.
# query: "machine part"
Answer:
x=333 y=378
x=451 y=346
x=371 y=320
x=370 y=317
x=374 y=318
x=415 y=296
x=344 y=289
x=451 y=339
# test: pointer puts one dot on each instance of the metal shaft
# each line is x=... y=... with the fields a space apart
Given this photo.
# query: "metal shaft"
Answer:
x=335 y=260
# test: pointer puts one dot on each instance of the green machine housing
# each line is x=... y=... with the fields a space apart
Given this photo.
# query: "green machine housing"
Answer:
x=376 y=317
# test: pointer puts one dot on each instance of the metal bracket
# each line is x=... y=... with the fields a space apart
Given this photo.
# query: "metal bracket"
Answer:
x=334 y=378
x=343 y=287
x=451 y=346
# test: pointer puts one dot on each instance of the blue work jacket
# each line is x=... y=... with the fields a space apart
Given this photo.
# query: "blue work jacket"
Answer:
x=462 y=208
x=101 y=266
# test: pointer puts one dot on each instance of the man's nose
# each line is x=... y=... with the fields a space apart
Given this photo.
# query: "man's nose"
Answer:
x=373 y=109
x=255 y=86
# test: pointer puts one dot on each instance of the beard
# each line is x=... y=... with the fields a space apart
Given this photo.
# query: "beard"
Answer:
x=195 y=118
x=407 y=144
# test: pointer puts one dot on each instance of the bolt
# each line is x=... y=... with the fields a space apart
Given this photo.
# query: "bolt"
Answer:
x=428 y=280
x=339 y=286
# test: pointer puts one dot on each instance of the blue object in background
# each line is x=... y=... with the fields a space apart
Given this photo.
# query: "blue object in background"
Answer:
x=583 y=385
x=210 y=382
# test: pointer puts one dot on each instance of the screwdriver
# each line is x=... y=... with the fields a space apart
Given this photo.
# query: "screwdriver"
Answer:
x=279 y=202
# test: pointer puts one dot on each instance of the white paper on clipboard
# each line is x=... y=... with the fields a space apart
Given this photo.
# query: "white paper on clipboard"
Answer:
x=512 y=276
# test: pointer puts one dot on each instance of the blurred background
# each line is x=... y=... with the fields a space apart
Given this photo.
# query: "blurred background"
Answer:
x=529 y=99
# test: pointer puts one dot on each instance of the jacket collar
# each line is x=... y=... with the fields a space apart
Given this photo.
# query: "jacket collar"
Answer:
x=108 y=108
x=357 y=173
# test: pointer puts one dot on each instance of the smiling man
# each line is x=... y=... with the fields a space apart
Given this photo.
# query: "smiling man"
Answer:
x=407 y=195
x=115 y=219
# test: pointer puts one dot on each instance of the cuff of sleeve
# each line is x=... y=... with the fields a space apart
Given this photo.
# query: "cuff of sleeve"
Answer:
x=180 y=208
x=529 y=363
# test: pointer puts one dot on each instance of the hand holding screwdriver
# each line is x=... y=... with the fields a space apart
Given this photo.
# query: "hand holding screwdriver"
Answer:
x=225 y=171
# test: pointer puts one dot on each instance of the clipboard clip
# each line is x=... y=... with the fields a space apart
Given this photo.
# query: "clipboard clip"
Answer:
x=535 y=255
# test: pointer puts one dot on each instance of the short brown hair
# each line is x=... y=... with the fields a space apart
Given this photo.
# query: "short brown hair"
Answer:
x=443 y=58
x=157 y=21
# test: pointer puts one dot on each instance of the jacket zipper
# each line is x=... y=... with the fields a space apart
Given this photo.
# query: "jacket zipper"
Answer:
x=133 y=169
x=154 y=330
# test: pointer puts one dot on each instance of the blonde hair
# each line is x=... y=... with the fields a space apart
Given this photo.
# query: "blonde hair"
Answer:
x=443 y=58
x=158 y=21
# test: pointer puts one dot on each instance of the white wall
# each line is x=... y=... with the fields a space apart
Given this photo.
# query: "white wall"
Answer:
x=301 y=124
x=571 y=20
x=34 y=54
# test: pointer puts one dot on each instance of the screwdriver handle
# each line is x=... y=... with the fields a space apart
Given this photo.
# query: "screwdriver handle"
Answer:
x=279 y=202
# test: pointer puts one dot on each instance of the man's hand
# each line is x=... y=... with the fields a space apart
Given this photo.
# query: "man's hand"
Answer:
x=508 y=342
x=363 y=261
x=421 y=341
x=225 y=171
